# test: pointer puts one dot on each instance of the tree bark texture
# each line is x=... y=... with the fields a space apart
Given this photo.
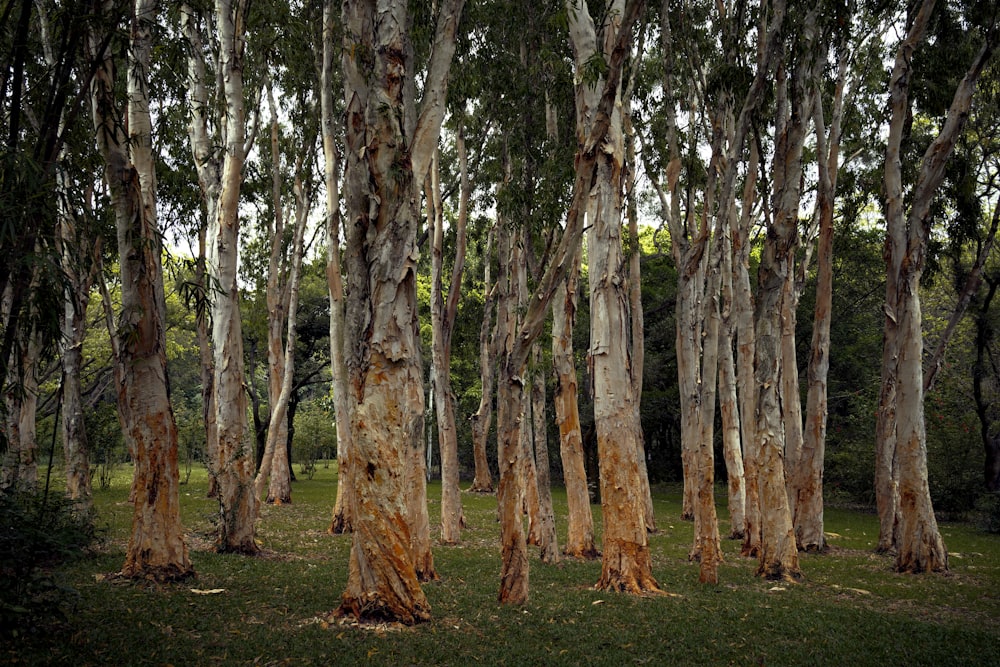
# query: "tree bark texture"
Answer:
x=580 y=521
x=626 y=564
x=208 y=164
x=388 y=152
x=235 y=473
x=340 y=522
x=547 y=540
x=156 y=548
x=483 y=480
x=443 y=315
x=920 y=547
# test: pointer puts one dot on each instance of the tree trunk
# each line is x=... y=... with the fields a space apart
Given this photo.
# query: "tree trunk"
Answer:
x=547 y=541
x=388 y=152
x=638 y=338
x=483 y=480
x=580 y=528
x=156 y=548
x=920 y=548
x=626 y=564
x=443 y=322
x=340 y=522
x=78 y=264
x=237 y=502
x=208 y=165
x=808 y=514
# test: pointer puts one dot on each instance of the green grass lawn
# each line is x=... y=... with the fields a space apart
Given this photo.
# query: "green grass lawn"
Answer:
x=850 y=610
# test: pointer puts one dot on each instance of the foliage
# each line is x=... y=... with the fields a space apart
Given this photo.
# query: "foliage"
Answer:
x=315 y=435
x=37 y=533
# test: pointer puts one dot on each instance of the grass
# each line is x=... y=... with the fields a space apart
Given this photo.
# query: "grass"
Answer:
x=272 y=610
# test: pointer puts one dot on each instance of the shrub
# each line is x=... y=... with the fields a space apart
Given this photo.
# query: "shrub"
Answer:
x=36 y=533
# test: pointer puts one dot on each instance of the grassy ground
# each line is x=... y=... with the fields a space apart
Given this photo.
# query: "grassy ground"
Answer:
x=850 y=610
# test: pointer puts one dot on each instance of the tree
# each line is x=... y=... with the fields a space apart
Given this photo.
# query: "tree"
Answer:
x=340 y=522
x=219 y=160
x=443 y=315
x=389 y=148
x=625 y=564
x=901 y=428
x=156 y=547
x=580 y=528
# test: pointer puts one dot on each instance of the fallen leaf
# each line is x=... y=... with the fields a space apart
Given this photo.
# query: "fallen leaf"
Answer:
x=597 y=602
x=209 y=591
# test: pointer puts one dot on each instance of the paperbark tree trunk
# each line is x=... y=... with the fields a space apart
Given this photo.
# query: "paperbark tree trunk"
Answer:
x=237 y=502
x=580 y=522
x=388 y=153
x=443 y=316
x=779 y=554
x=626 y=564
x=517 y=343
x=156 y=548
x=808 y=513
x=207 y=160
x=341 y=521
x=638 y=337
x=547 y=540
x=483 y=480
x=743 y=309
x=920 y=547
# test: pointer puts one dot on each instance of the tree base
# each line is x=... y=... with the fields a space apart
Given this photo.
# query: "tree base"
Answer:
x=779 y=572
x=339 y=525
x=373 y=612
x=160 y=574
x=582 y=553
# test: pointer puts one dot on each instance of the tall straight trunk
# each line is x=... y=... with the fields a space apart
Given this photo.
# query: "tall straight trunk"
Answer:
x=920 y=547
x=638 y=338
x=27 y=462
x=746 y=346
x=779 y=555
x=388 y=153
x=206 y=368
x=626 y=563
x=547 y=540
x=78 y=264
x=510 y=427
x=808 y=514
x=886 y=481
x=529 y=473
x=731 y=448
x=156 y=547
x=235 y=474
x=443 y=314
x=340 y=522
x=791 y=404
x=483 y=480
x=277 y=472
x=278 y=309
x=580 y=522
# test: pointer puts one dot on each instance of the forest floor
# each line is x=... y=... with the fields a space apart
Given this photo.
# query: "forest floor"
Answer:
x=851 y=608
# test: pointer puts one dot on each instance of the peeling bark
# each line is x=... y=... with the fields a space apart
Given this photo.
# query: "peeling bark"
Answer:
x=388 y=153
x=156 y=548
x=580 y=523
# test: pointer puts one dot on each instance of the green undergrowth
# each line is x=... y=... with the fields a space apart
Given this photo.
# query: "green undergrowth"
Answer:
x=851 y=608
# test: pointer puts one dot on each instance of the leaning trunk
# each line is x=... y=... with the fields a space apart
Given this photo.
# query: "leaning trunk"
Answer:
x=156 y=548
